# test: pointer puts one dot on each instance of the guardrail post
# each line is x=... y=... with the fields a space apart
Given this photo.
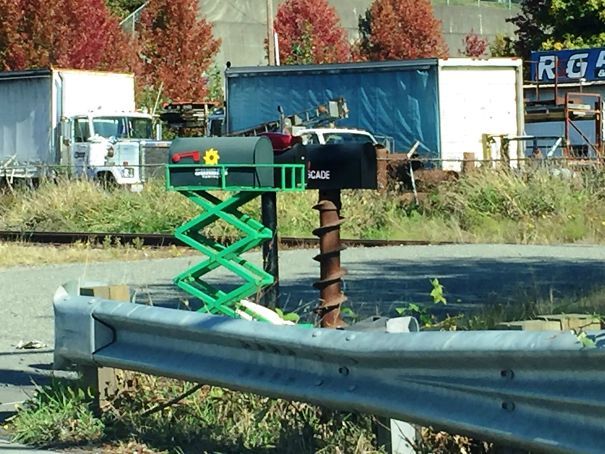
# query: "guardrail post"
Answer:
x=403 y=434
x=102 y=381
x=398 y=437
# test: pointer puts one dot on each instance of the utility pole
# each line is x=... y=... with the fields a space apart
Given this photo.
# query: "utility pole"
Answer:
x=270 y=33
x=270 y=297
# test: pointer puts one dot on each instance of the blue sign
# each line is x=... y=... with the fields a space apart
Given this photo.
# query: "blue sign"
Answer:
x=568 y=65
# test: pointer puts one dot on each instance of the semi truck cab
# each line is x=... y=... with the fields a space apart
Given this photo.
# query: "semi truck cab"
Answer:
x=108 y=146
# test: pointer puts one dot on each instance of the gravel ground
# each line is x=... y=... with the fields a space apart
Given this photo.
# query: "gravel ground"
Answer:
x=379 y=280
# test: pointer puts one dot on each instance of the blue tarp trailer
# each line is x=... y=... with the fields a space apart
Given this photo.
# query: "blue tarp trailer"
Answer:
x=449 y=105
x=398 y=99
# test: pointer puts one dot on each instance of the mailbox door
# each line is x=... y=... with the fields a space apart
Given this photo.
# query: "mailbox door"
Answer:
x=341 y=166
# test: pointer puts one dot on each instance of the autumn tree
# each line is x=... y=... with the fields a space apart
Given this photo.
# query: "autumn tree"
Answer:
x=474 y=45
x=177 y=48
x=309 y=31
x=400 y=29
x=12 y=53
x=559 y=24
x=80 y=34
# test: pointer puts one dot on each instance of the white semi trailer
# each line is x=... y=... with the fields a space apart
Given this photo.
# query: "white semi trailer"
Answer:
x=83 y=122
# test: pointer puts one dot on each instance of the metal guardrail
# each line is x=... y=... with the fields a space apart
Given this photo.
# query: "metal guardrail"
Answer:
x=537 y=390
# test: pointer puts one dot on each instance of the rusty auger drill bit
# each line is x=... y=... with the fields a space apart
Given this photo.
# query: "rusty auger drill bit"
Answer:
x=331 y=274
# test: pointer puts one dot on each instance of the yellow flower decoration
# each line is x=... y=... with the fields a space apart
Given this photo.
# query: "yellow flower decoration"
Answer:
x=211 y=157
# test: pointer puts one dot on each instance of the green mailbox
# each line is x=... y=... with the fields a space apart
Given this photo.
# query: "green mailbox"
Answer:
x=220 y=163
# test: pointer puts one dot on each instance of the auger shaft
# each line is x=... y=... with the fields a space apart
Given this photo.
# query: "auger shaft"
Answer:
x=331 y=274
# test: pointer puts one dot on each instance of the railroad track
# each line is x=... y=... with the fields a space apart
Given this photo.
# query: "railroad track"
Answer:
x=163 y=240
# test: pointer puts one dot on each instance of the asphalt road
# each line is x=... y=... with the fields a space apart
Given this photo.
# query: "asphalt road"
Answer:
x=378 y=280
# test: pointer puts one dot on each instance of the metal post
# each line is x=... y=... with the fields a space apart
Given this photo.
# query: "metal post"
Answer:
x=270 y=38
x=556 y=81
x=567 y=149
x=331 y=274
x=270 y=296
x=598 y=109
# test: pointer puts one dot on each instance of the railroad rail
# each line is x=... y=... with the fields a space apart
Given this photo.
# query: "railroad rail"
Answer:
x=166 y=239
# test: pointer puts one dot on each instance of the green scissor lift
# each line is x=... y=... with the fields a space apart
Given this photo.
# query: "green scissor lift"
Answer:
x=284 y=178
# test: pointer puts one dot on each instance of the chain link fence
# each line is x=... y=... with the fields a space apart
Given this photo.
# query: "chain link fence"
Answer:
x=480 y=3
x=396 y=167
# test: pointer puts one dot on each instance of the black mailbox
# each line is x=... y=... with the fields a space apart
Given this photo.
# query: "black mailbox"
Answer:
x=335 y=166
x=220 y=162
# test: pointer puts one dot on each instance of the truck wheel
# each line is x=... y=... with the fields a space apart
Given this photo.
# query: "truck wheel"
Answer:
x=106 y=180
x=19 y=183
x=33 y=183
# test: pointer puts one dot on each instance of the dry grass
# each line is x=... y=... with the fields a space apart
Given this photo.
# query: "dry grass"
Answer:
x=541 y=206
x=20 y=254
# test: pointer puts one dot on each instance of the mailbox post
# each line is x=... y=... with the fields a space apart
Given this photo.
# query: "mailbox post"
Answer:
x=243 y=168
x=331 y=168
x=270 y=296
x=250 y=167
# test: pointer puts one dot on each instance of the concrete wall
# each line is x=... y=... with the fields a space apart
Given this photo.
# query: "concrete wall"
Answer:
x=241 y=24
x=458 y=21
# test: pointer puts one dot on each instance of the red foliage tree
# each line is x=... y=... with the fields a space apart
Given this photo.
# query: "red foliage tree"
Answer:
x=399 y=30
x=309 y=31
x=12 y=53
x=79 y=34
x=474 y=45
x=176 y=48
x=95 y=39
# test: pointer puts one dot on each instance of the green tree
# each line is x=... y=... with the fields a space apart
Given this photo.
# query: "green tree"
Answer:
x=122 y=8
x=559 y=24
x=502 y=46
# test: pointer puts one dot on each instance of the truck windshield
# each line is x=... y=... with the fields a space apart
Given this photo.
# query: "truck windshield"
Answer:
x=123 y=127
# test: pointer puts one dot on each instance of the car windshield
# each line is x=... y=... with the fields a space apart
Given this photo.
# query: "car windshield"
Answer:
x=346 y=137
x=123 y=127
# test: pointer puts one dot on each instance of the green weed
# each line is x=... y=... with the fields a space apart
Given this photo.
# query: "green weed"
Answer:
x=59 y=413
x=421 y=312
x=209 y=420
